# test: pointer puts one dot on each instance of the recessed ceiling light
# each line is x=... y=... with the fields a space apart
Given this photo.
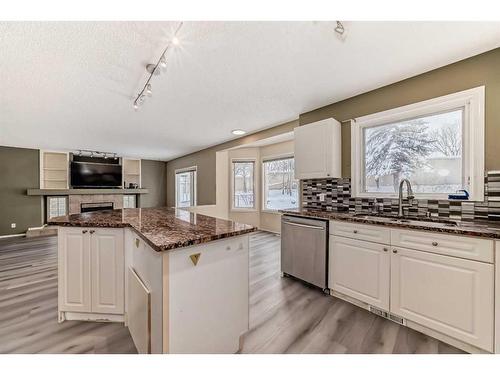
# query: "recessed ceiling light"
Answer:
x=238 y=132
x=175 y=41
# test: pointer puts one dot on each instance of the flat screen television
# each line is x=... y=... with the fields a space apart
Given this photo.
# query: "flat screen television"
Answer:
x=94 y=175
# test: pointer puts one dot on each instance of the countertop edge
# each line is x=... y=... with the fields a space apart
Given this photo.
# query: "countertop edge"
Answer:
x=173 y=246
x=472 y=232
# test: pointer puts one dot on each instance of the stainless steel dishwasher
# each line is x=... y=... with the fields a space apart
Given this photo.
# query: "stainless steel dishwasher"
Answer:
x=304 y=249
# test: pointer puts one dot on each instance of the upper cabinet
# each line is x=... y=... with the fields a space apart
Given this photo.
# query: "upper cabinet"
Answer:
x=54 y=170
x=318 y=150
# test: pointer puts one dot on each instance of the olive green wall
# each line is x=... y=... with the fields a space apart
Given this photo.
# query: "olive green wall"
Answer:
x=153 y=179
x=476 y=71
x=204 y=160
x=19 y=170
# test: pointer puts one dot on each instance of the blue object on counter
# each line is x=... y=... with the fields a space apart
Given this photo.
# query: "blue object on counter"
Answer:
x=464 y=196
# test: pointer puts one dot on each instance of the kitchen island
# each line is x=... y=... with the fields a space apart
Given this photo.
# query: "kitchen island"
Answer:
x=177 y=279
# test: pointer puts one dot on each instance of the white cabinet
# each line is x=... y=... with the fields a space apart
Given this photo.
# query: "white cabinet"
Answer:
x=107 y=265
x=91 y=270
x=74 y=270
x=450 y=295
x=317 y=150
x=208 y=297
x=361 y=270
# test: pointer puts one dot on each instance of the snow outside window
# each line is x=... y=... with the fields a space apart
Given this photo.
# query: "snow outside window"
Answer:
x=281 y=190
x=437 y=144
x=243 y=185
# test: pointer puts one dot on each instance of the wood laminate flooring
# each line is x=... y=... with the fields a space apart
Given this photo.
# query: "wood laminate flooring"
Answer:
x=286 y=316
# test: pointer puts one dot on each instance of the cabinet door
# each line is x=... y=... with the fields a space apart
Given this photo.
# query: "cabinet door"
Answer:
x=361 y=270
x=74 y=270
x=107 y=271
x=317 y=150
x=450 y=295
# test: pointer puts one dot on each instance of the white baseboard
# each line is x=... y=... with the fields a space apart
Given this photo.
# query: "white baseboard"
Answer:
x=13 y=235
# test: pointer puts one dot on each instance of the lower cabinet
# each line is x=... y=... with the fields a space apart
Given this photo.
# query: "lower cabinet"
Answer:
x=451 y=295
x=360 y=269
x=91 y=270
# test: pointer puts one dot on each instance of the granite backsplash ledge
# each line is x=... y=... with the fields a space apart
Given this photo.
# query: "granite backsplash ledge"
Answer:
x=338 y=197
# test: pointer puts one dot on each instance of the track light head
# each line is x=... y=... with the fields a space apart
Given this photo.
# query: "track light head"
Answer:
x=149 y=91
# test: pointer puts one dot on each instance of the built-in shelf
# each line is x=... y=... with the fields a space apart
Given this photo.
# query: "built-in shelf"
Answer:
x=85 y=191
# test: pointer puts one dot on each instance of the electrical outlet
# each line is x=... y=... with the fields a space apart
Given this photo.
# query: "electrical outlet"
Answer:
x=322 y=197
x=13 y=225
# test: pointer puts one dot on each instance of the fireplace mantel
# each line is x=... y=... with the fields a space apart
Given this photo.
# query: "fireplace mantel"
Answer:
x=85 y=191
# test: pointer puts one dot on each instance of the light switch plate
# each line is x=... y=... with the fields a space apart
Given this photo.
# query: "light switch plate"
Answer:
x=13 y=225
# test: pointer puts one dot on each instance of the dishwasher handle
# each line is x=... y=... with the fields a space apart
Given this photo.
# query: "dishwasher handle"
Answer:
x=303 y=225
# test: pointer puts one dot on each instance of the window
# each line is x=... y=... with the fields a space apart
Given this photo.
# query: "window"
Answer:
x=129 y=201
x=437 y=144
x=185 y=187
x=281 y=190
x=56 y=206
x=243 y=184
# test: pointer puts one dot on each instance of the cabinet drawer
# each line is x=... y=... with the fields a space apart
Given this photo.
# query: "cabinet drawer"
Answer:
x=372 y=233
x=453 y=245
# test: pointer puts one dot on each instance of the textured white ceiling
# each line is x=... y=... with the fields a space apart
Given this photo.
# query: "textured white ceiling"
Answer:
x=70 y=85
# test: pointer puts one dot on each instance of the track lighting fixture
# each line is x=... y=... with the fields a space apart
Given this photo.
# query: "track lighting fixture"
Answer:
x=105 y=155
x=154 y=69
x=340 y=30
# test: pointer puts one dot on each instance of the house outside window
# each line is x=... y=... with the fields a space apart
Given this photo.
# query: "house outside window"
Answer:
x=437 y=144
x=281 y=190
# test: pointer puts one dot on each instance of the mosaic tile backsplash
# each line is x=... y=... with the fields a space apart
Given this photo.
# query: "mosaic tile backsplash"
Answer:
x=338 y=197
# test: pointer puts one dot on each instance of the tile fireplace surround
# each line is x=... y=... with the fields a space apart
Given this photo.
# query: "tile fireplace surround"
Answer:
x=75 y=201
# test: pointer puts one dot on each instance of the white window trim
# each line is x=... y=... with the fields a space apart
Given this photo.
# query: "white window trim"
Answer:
x=263 y=178
x=473 y=134
x=231 y=174
x=195 y=184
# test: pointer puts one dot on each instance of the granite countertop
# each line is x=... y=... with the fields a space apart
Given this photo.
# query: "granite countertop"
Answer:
x=482 y=228
x=162 y=228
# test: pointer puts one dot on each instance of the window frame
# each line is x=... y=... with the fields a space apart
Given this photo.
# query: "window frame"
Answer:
x=263 y=177
x=66 y=205
x=254 y=184
x=194 y=186
x=472 y=102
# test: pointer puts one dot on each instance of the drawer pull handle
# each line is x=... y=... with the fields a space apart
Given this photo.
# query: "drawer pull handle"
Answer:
x=434 y=243
x=394 y=251
x=84 y=231
x=385 y=249
x=355 y=231
x=92 y=231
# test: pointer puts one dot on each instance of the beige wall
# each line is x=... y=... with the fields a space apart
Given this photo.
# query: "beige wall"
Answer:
x=153 y=179
x=476 y=71
x=205 y=160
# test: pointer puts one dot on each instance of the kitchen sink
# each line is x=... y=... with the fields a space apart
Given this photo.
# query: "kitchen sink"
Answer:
x=410 y=221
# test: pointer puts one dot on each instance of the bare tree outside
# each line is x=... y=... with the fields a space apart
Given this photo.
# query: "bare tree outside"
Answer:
x=280 y=186
x=427 y=150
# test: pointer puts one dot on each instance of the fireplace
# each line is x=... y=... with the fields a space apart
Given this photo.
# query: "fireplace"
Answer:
x=99 y=206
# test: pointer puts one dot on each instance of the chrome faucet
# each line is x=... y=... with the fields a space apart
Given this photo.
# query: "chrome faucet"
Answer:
x=409 y=196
